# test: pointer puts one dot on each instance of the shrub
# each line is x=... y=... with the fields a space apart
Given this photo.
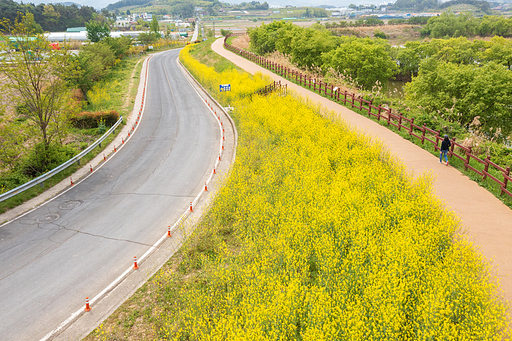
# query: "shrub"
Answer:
x=45 y=157
x=379 y=34
x=12 y=180
x=87 y=120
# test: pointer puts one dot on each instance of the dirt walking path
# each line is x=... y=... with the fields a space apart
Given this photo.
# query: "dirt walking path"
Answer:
x=485 y=220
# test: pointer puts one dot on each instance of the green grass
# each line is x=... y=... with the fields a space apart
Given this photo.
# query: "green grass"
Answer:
x=36 y=190
x=203 y=53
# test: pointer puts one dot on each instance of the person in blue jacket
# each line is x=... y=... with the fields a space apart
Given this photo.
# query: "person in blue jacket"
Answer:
x=445 y=146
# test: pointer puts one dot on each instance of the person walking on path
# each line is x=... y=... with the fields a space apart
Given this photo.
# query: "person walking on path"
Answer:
x=445 y=145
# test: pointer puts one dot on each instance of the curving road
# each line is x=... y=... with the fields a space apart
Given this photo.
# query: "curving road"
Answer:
x=78 y=243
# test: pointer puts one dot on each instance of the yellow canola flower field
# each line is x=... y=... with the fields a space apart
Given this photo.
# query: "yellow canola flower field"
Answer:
x=242 y=83
x=335 y=241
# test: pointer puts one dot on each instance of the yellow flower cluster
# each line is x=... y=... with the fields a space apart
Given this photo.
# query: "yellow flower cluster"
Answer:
x=336 y=242
x=242 y=83
x=100 y=94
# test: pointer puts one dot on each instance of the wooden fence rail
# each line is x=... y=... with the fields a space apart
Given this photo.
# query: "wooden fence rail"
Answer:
x=398 y=120
x=275 y=86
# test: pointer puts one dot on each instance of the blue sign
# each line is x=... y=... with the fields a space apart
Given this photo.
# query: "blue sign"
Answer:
x=225 y=87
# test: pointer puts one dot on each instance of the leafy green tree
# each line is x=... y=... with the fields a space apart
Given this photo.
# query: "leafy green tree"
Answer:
x=264 y=38
x=307 y=48
x=119 y=45
x=33 y=76
x=500 y=51
x=97 y=31
x=153 y=26
x=94 y=62
x=409 y=58
x=373 y=21
x=448 y=24
x=286 y=35
x=460 y=92
x=364 y=60
x=147 y=38
x=31 y=24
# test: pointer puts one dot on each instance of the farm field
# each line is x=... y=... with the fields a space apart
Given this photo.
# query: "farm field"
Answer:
x=318 y=234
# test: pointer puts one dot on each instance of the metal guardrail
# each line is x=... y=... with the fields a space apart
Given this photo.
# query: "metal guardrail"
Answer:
x=60 y=168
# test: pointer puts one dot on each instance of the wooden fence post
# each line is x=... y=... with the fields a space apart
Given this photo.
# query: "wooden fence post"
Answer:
x=423 y=135
x=486 y=167
x=468 y=156
x=505 y=180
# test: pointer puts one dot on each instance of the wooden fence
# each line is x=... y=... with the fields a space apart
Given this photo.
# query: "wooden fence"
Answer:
x=275 y=86
x=398 y=120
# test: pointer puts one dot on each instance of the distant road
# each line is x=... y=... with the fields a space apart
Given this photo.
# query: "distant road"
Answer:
x=77 y=244
x=196 y=31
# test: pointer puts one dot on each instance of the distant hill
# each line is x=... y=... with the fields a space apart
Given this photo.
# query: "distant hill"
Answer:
x=422 y=5
x=184 y=8
x=126 y=3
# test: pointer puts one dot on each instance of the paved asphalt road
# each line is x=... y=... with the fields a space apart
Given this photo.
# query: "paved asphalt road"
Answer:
x=77 y=244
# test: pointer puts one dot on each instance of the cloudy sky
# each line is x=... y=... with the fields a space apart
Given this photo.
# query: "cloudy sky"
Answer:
x=98 y=4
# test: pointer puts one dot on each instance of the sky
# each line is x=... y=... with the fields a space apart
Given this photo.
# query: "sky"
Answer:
x=99 y=4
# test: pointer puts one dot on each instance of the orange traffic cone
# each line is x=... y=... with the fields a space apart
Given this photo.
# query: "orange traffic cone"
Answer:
x=87 y=307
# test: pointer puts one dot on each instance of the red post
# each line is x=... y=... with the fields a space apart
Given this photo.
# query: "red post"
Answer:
x=452 y=147
x=135 y=266
x=505 y=180
x=468 y=157
x=486 y=167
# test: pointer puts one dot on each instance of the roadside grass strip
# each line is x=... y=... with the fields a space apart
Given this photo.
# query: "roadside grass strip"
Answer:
x=318 y=234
